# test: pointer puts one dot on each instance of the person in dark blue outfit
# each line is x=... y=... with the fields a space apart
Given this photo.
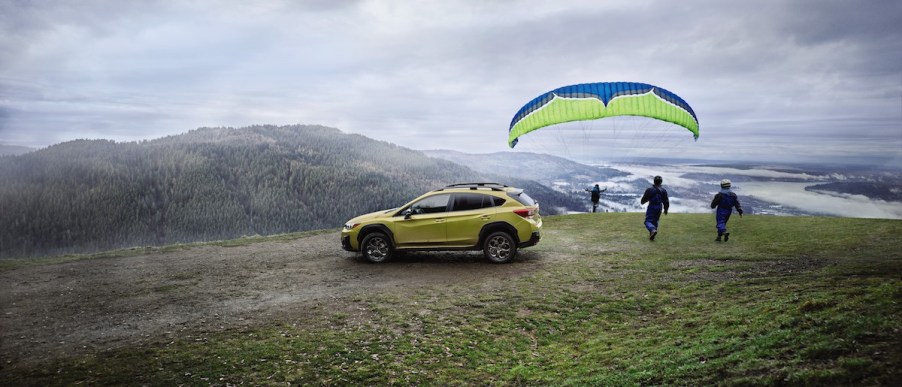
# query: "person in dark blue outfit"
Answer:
x=595 y=195
x=724 y=201
x=656 y=197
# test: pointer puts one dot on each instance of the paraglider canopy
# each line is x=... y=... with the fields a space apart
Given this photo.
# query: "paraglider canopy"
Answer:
x=590 y=101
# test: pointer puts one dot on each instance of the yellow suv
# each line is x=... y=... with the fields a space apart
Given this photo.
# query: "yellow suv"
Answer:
x=491 y=217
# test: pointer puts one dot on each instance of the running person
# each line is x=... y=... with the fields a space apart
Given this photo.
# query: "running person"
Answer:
x=724 y=201
x=656 y=197
x=595 y=196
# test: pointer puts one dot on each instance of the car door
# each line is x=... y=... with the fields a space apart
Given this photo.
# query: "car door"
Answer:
x=468 y=213
x=426 y=225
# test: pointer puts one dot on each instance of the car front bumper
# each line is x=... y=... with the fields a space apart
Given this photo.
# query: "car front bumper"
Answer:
x=346 y=243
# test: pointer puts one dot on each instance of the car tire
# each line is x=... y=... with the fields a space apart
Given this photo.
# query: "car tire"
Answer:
x=376 y=247
x=499 y=247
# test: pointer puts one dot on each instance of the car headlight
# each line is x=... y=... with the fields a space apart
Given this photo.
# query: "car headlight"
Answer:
x=350 y=226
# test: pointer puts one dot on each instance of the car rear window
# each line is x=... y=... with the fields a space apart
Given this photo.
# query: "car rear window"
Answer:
x=522 y=197
x=473 y=201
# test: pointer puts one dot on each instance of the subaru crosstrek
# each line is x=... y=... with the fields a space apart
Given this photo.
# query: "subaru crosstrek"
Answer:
x=491 y=217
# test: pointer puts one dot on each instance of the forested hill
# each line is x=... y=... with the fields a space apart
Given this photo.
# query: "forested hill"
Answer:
x=207 y=184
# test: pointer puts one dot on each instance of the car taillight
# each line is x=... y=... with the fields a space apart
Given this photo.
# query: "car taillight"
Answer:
x=525 y=212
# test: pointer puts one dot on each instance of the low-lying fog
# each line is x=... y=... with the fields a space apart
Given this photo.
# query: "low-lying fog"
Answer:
x=778 y=191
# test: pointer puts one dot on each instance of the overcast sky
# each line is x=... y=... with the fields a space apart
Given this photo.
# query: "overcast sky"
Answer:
x=772 y=80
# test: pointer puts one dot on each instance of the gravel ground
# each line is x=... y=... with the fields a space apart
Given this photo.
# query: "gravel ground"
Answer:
x=88 y=306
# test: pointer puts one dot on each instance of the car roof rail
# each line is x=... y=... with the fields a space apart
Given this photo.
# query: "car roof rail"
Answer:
x=474 y=186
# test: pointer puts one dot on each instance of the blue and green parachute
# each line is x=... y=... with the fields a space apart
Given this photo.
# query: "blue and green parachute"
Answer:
x=590 y=101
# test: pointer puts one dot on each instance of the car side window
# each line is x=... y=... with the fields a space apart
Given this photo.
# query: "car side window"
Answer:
x=431 y=205
x=473 y=201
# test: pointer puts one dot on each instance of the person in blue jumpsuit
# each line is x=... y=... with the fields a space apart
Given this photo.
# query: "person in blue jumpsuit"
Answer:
x=656 y=197
x=724 y=201
x=595 y=195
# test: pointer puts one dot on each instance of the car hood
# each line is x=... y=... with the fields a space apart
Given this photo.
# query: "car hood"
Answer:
x=372 y=215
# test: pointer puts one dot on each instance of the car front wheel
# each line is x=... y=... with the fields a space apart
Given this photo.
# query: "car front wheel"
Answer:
x=376 y=247
x=499 y=247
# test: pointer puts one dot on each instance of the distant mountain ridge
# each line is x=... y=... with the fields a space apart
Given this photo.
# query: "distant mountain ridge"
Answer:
x=539 y=167
x=6 y=150
x=211 y=183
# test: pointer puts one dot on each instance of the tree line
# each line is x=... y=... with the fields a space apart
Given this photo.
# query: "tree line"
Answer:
x=209 y=184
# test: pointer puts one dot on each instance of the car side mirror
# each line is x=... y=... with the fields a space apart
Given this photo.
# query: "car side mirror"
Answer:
x=407 y=213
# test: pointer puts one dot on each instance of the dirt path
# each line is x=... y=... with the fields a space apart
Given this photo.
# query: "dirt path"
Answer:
x=87 y=306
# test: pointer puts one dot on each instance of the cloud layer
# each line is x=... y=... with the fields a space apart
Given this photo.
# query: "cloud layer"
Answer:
x=805 y=80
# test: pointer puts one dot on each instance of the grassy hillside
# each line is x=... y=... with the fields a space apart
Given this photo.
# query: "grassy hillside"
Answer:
x=788 y=300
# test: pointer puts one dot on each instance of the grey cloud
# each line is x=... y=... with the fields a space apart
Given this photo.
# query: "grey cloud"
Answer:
x=426 y=74
x=819 y=22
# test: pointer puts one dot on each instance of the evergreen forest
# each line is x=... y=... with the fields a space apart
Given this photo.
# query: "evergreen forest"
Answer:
x=211 y=184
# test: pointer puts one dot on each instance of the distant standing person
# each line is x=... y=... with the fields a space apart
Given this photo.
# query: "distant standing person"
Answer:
x=656 y=197
x=724 y=201
x=596 y=195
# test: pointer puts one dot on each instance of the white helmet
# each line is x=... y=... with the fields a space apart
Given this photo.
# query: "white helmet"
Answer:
x=725 y=183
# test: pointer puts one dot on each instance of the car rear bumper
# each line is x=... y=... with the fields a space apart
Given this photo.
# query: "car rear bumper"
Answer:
x=533 y=240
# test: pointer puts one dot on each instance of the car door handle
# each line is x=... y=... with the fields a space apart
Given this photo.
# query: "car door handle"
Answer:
x=485 y=217
x=440 y=220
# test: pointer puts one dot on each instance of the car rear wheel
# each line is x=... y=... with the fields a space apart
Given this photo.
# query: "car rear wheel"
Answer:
x=376 y=247
x=499 y=247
